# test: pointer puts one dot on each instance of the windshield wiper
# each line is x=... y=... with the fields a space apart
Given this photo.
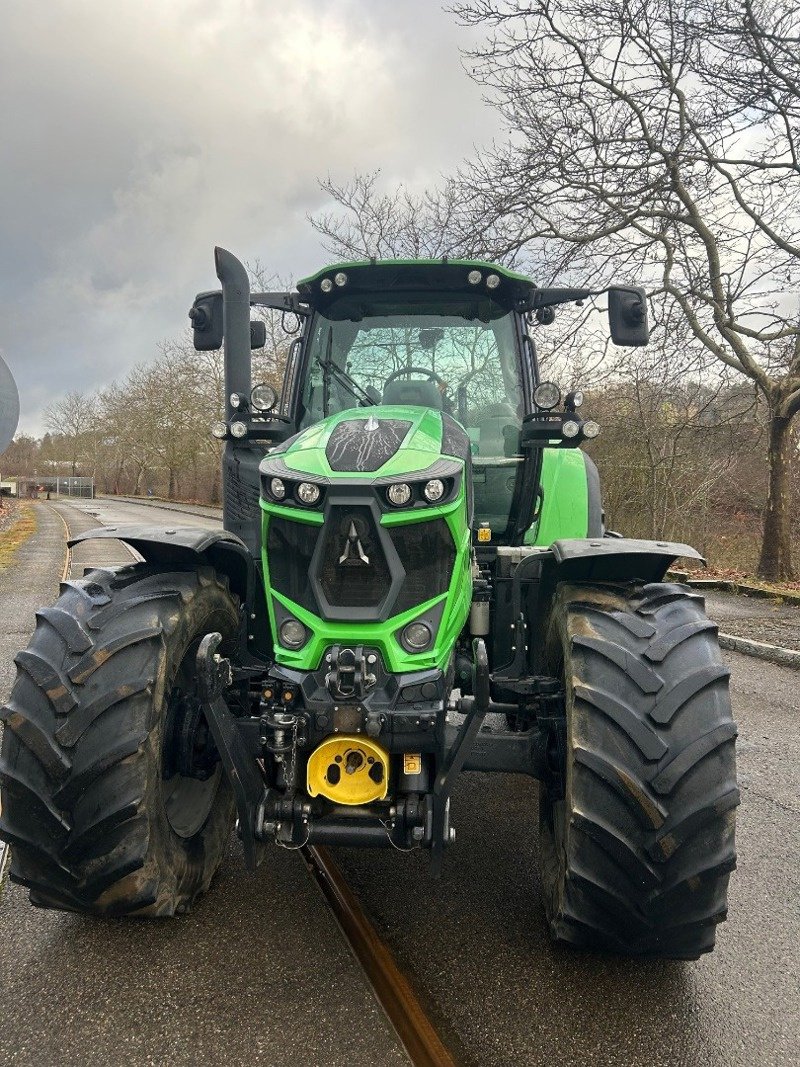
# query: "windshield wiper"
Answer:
x=352 y=386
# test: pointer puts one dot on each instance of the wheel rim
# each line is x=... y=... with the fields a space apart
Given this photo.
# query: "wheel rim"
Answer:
x=188 y=798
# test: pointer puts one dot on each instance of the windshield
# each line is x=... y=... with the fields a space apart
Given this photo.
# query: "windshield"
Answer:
x=465 y=367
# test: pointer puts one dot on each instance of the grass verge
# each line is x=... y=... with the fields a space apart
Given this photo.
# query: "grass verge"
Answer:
x=21 y=526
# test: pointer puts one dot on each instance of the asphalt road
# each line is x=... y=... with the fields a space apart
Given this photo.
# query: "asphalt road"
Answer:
x=258 y=972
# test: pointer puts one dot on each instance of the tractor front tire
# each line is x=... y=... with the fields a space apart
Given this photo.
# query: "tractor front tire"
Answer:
x=637 y=838
x=99 y=816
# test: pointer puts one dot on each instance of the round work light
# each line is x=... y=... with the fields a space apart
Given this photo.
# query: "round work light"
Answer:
x=417 y=636
x=434 y=490
x=546 y=395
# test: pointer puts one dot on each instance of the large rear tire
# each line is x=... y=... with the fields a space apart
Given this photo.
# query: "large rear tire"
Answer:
x=100 y=815
x=636 y=856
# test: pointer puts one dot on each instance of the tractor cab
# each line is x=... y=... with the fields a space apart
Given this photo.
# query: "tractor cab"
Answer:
x=448 y=336
x=443 y=336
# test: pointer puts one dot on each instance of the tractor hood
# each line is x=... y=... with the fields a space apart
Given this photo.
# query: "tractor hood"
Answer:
x=374 y=442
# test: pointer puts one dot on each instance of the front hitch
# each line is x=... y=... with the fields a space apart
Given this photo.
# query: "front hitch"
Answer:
x=214 y=675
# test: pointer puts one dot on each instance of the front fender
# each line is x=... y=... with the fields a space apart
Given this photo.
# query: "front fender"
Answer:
x=616 y=559
x=186 y=545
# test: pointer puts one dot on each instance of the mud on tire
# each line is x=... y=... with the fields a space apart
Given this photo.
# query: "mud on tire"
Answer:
x=637 y=855
x=84 y=797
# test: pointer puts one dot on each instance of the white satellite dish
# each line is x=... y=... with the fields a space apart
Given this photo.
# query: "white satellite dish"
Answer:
x=9 y=406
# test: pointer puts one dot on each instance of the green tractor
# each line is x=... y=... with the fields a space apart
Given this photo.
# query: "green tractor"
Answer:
x=413 y=543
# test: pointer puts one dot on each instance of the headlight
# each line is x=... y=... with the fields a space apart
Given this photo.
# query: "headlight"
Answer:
x=417 y=636
x=326 y=285
x=570 y=428
x=474 y=277
x=236 y=400
x=546 y=395
x=399 y=494
x=219 y=430
x=277 y=488
x=340 y=278
x=239 y=429
x=574 y=400
x=263 y=398
x=591 y=429
x=292 y=634
x=493 y=281
x=434 y=490
x=307 y=493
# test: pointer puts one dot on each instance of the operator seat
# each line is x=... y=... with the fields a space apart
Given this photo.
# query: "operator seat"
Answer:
x=424 y=394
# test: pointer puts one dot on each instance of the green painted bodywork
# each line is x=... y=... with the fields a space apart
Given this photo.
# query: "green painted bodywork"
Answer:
x=565 y=498
x=564 y=510
x=420 y=449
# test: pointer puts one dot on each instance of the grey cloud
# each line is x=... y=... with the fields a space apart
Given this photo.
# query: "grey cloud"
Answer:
x=135 y=136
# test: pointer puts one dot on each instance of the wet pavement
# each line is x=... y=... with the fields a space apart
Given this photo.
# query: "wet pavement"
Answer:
x=775 y=621
x=258 y=972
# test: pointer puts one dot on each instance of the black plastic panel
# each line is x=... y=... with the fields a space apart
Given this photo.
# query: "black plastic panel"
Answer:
x=290 y=547
x=353 y=570
x=427 y=553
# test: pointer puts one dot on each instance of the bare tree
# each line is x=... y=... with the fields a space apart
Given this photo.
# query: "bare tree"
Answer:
x=399 y=224
x=660 y=137
x=70 y=419
x=653 y=140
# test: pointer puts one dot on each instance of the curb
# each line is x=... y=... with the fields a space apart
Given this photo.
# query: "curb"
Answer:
x=727 y=585
x=784 y=657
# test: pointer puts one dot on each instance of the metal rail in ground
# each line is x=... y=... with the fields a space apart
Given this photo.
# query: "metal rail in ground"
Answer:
x=392 y=989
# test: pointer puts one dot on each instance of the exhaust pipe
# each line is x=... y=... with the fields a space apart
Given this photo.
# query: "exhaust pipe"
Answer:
x=240 y=514
x=236 y=326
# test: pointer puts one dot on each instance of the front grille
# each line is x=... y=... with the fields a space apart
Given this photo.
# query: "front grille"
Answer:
x=346 y=562
x=290 y=548
x=427 y=553
x=353 y=571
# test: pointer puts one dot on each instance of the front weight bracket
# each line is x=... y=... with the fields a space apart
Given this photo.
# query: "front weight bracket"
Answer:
x=214 y=675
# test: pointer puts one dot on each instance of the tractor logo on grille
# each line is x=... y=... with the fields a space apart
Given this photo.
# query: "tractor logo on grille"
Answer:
x=353 y=554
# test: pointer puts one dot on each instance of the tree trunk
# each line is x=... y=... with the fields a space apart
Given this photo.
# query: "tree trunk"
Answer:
x=775 y=561
x=171 y=489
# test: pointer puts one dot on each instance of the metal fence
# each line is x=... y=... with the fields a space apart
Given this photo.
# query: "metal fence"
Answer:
x=55 y=485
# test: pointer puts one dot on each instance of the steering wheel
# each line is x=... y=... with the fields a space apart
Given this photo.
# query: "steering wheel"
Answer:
x=431 y=375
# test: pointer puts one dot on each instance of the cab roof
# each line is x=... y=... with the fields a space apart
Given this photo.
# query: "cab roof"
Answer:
x=424 y=284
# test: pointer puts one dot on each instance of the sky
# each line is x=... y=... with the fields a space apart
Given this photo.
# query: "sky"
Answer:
x=136 y=135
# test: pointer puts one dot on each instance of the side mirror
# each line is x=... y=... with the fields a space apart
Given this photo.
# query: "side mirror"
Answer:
x=258 y=334
x=627 y=317
x=205 y=316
